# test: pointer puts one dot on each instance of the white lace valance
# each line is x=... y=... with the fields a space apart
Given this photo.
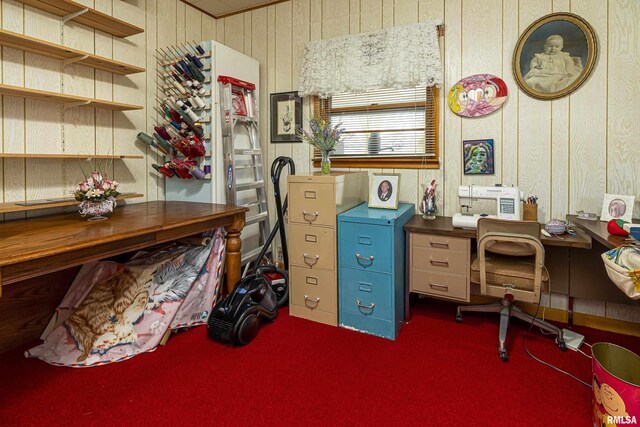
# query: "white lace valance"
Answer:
x=400 y=57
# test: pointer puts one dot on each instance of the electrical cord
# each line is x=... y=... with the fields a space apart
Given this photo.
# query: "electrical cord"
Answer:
x=535 y=316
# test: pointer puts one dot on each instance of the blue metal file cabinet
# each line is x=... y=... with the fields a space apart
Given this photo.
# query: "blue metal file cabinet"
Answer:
x=371 y=269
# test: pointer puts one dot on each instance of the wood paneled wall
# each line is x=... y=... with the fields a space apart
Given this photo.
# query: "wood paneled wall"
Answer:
x=42 y=127
x=568 y=152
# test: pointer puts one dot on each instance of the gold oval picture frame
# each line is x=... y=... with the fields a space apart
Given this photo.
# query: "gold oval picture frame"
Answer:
x=554 y=56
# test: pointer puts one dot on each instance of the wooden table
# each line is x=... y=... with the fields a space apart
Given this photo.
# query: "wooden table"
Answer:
x=51 y=245
x=442 y=226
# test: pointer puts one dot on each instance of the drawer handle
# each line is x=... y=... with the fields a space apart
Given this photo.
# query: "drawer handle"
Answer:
x=439 y=245
x=308 y=300
x=368 y=259
x=439 y=263
x=439 y=287
x=306 y=216
x=366 y=307
x=312 y=257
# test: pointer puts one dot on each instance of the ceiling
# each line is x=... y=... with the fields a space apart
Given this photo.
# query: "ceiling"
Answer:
x=218 y=8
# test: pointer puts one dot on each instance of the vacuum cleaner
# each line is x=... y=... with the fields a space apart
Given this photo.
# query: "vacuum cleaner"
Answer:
x=236 y=318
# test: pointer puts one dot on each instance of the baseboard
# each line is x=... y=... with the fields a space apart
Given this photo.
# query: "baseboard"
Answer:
x=606 y=324
x=580 y=319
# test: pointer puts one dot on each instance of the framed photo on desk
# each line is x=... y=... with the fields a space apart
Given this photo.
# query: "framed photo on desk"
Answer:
x=616 y=206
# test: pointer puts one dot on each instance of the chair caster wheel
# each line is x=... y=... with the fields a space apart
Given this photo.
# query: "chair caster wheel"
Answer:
x=459 y=318
x=562 y=346
x=503 y=356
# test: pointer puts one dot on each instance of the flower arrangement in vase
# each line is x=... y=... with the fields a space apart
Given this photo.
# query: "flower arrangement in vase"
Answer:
x=323 y=136
x=96 y=195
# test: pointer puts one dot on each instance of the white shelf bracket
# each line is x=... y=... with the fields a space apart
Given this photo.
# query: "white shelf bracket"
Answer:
x=76 y=104
x=70 y=16
x=69 y=61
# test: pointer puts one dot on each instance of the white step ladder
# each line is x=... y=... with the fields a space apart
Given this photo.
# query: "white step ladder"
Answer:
x=243 y=161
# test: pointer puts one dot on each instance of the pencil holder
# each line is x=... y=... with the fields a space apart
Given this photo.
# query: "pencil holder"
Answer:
x=529 y=212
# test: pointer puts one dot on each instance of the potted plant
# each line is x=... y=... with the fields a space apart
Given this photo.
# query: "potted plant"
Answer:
x=323 y=136
x=97 y=196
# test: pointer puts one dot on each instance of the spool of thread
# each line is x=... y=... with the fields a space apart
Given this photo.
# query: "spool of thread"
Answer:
x=144 y=138
x=197 y=172
x=160 y=130
x=207 y=169
x=199 y=102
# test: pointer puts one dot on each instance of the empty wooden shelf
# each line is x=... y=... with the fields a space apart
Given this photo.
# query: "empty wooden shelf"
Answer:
x=65 y=156
x=63 y=98
x=67 y=54
x=51 y=203
x=91 y=17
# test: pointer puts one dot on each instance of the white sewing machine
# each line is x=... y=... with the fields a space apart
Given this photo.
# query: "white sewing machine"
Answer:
x=507 y=198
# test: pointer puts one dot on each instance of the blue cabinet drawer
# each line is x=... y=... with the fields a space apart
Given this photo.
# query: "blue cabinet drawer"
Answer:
x=365 y=247
x=368 y=294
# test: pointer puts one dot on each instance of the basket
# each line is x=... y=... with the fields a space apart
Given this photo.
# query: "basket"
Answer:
x=623 y=268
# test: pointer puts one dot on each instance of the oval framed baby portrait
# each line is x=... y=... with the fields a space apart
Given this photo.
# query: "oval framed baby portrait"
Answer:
x=554 y=56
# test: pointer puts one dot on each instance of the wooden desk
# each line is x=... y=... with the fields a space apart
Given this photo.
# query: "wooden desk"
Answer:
x=582 y=266
x=598 y=231
x=51 y=245
x=442 y=226
x=573 y=262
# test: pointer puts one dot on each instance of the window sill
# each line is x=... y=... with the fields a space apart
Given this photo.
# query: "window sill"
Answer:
x=387 y=163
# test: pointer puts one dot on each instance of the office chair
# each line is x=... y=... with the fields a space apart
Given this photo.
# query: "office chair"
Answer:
x=510 y=265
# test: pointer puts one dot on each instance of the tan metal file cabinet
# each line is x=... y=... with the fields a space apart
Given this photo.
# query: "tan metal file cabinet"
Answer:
x=314 y=202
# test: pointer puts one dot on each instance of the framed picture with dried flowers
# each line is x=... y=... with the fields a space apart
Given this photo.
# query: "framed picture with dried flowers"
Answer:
x=286 y=116
x=554 y=56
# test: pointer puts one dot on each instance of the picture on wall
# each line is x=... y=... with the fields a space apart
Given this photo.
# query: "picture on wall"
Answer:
x=384 y=191
x=554 y=56
x=616 y=206
x=477 y=95
x=286 y=116
x=478 y=157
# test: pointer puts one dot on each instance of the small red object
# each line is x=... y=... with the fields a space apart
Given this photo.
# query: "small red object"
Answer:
x=236 y=82
x=615 y=227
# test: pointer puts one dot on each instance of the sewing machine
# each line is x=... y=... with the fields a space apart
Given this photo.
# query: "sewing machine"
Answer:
x=507 y=198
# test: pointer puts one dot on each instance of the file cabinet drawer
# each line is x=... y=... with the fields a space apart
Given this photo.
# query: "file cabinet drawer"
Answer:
x=365 y=247
x=365 y=293
x=444 y=285
x=312 y=247
x=440 y=242
x=312 y=204
x=313 y=295
x=440 y=260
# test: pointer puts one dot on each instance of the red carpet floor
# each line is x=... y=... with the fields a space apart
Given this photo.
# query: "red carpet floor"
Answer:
x=298 y=372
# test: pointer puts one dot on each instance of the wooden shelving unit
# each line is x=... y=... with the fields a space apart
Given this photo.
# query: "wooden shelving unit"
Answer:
x=65 y=54
x=52 y=203
x=65 y=156
x=62 y=98
x=70 y=10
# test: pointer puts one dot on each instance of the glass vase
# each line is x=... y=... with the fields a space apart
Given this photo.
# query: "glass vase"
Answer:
x=325 y=164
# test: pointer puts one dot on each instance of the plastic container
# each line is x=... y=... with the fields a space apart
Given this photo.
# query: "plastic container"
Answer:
x=616 y=385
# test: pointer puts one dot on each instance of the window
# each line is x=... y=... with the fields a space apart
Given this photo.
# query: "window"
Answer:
x=392 y=128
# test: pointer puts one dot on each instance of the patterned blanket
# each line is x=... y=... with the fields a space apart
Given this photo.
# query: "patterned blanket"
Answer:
x=113 y=312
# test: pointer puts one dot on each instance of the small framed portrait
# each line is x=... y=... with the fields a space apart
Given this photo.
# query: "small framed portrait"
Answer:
x=384 y=190
x=478 y=157
x=286 y=116
x=615 y=206
x=554 y=56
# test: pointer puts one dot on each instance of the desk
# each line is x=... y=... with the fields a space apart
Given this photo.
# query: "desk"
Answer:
x=598 y=231
x=573 y=262
x=32 y=248
x=582 y=267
